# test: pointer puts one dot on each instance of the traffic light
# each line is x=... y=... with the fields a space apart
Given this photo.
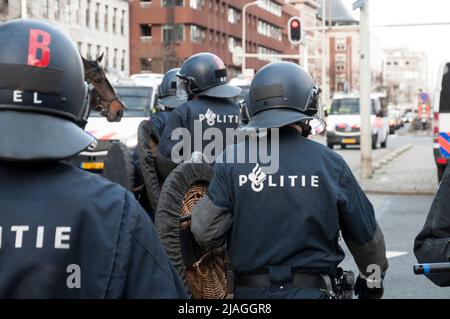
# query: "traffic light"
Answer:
x=295 y=30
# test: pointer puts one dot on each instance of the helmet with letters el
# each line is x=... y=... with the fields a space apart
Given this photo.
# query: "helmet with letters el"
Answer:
x=43 y=95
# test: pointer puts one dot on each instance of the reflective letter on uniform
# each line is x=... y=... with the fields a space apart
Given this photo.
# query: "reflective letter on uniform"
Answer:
x=242 y=179
x=19 y=234
x=62 y=234
x=315 y=181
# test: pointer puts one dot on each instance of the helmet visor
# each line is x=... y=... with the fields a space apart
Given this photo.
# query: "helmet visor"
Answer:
x=182 y=89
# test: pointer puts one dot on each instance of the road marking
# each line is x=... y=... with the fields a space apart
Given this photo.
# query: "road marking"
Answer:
x=393 y=254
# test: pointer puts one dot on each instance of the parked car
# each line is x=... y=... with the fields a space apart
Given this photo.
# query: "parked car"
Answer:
x=392 y=123
x=409 y=117
x=344 y=122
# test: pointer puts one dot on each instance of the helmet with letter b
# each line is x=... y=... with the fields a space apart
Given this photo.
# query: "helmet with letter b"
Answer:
x=43 y=95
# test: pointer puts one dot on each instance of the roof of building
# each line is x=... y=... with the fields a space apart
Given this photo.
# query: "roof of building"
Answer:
x=336 y=12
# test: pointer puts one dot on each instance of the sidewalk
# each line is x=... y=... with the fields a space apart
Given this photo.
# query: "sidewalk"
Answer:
x=411 y=173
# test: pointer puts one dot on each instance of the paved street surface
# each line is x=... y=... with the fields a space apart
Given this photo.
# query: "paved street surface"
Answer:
x=401 y=217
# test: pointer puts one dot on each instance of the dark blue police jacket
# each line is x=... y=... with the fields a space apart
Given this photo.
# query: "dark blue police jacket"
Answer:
x=210 y=112
x=159 y=120
x=65 y=233
x=292 y=218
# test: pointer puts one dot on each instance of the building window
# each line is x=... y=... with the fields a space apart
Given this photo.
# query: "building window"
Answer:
x=407 y=63
x=234 y=16
x=269 y=30
x=197 y=4
x=122 y=62
x=171 y=3
x=97 y=16
x=211 y=36
x=146 y=64
x=271 y=7
x=122 y=23
x=198 y=34
x=106 y=59
x=263 y=51
x=232 y=43
x=340 y=67
x=89 y=53
x=217 y=37
x=56 y=11
x=79 y=46
x=88 y=13
x=99 y=51
x=114 y=24
x=388 y=62
x=172 y=33
x=340 y=44
x=115 y=59
x=395 y=63
x=146 y=3
x=67 y=11
x=106 y=19
x=146 y=32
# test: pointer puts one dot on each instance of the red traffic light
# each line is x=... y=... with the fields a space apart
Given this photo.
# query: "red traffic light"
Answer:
x=295 y=30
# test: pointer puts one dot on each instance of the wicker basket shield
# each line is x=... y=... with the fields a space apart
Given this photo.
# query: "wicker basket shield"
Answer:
x=205 y=274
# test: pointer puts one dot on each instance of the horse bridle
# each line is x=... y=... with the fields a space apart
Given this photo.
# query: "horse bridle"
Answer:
x=104 y=108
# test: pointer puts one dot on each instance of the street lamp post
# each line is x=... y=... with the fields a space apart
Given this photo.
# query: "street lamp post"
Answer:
x=365 y=86
x=244 y=31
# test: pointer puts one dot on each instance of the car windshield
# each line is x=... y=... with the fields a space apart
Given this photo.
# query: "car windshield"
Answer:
x=348 y=106
x=137 y=100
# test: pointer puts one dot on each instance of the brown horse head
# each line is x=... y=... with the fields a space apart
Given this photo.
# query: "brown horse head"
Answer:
x=107 y=101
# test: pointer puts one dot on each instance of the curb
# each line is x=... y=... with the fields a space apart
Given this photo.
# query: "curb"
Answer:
x=391 y=156
x=384 y=161
x=405 y=192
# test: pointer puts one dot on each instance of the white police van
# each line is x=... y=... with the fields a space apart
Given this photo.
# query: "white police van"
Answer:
x=441 y=118
x=139 y=101
x=344 y=121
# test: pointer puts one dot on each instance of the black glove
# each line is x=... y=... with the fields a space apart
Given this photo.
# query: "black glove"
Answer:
x=364 y=292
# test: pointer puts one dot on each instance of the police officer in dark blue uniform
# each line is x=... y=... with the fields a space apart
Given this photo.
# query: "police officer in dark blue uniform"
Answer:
x=202 y=80
x=432 y=244
x=64 y=233
x=167 y=100
x=283 y=226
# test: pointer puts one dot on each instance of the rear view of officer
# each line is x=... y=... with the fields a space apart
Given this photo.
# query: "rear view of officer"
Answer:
x=64 y=233
x=202 y=80
x=283 y=227
x=167 y=100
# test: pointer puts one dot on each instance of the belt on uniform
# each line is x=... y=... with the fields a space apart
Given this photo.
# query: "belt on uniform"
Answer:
x=299 y=280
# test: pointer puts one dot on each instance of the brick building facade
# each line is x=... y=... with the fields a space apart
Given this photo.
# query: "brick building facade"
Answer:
x=163 y=33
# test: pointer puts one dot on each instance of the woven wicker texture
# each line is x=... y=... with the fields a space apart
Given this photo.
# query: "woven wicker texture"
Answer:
x=207 y=277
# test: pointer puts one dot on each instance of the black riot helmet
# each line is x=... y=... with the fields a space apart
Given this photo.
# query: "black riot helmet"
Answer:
x=43 y=96
x=204 y=74
x=282 y=93
x=167 y=91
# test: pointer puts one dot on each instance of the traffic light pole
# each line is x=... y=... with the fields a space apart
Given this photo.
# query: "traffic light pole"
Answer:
x=365 y=87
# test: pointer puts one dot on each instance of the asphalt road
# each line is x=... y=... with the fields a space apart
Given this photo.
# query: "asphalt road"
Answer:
x=401 y=218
